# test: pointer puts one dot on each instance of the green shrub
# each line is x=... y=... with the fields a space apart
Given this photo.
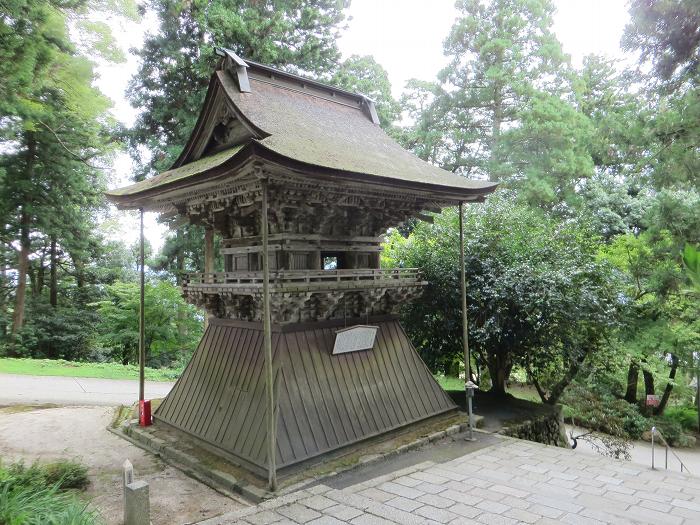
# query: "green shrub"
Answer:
x=671 y=430
x=686 y=417
x=66 y=475
x=603 y=413
x=39 y=495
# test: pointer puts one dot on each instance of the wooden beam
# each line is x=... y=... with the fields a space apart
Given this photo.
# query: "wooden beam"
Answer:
x=267 y=333
x=208 y=260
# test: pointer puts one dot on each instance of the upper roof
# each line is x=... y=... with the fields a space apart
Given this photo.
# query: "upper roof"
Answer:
x=299 y=121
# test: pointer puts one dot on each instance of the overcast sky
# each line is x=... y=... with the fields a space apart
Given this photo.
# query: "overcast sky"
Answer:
x=404 y=36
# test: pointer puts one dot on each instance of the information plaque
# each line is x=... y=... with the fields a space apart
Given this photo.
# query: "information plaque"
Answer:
x=355 y=338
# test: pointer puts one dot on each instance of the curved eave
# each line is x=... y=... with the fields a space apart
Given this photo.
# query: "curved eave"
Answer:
x=255 y=151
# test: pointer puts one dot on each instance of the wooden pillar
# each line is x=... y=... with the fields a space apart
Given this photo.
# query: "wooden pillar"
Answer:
x=142 y=316
x=463 y=284
x=267 y=329
x=208 y=262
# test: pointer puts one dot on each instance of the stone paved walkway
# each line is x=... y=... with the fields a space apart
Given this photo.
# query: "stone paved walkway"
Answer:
x=511 y=482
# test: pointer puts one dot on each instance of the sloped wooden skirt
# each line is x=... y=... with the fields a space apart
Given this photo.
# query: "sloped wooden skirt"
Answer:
x=324 y=401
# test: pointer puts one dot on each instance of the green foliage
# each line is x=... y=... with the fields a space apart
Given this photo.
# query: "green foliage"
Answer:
x=537 y=295
x=665 y=33
x=177 y=60
x=164 y=339
x=106 y=370
x=501 y=54
x=36 y=495
x=590 y=408
x=62 y=332
x=686 y=417
x=691 y=260
x=362 y=74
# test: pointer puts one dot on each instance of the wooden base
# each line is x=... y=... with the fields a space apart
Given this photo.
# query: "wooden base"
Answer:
x=324 y=402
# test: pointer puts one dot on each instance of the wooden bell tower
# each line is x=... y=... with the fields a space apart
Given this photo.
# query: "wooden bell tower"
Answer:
x=303 y=354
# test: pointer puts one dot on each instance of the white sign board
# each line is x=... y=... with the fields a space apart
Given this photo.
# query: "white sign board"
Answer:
x=354 y=338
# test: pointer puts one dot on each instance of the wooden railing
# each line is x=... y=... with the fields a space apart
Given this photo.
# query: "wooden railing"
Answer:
x=304 y=278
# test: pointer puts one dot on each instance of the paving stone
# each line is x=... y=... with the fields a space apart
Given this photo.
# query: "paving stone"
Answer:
x=436 y=514
x=465 y=511
x=404 y=503
x=370 y=519
x=523 y=516
x=264 y=518
x=493 y=507
x=461 y=497
x=510 y=491
x=495 y=519
x=559 y=504
x=342 y=512
x=436 y=501
x=686 y=504
x=326 y=520
x=655 y=505
x=577 y=519
x=396 y=515
x=298 y=512
x=430 y=478
x=430 y=488
x=376 y=494
x=408 y=481
x=317 y=502
x=400 y=490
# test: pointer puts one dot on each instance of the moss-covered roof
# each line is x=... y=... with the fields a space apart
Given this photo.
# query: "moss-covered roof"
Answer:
x=317 y=129
x=193 y=168
x=332 y=135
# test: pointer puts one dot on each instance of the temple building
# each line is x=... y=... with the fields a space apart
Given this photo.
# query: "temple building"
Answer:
x=303 y=169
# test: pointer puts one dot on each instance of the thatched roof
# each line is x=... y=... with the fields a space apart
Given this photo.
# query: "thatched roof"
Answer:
x=308 y=125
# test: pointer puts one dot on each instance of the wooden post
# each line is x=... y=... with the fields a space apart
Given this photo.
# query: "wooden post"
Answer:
x=463 y=283
x=142 y=315
x=267 y=329
x=208 y=262
x=468 y=385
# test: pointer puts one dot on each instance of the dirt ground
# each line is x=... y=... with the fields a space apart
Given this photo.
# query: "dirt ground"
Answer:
x=50 y=433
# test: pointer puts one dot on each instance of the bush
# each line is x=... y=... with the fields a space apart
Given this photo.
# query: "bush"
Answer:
x=62 y=474
x=686 y=417
x=38 y=495
x=603 y=413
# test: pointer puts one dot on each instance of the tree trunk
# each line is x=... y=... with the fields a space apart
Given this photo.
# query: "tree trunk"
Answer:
x=53 y=285
x=649 y=388
x=669 y=386
x=632 y=380
x=499 y=366
x=22 y=270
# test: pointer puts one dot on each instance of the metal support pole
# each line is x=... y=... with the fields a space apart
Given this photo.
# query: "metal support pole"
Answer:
x=267 y=329
x=653 y=431
x=468 y=385
x=142 y=316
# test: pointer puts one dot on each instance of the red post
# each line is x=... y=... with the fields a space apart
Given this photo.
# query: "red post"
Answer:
x=145 y=419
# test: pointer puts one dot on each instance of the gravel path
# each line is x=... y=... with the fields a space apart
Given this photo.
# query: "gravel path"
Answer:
x=80 y=433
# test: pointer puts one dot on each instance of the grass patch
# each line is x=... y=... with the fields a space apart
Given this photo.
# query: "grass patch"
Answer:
x=59 y=367
x=44 y=494
x=450 y=383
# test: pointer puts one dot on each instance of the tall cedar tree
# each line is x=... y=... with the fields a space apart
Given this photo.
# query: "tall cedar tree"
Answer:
x=501 y=52
x=176 y=62
x=53 y=130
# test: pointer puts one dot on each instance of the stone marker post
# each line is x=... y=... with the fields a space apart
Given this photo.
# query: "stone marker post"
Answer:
x=137 y=506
